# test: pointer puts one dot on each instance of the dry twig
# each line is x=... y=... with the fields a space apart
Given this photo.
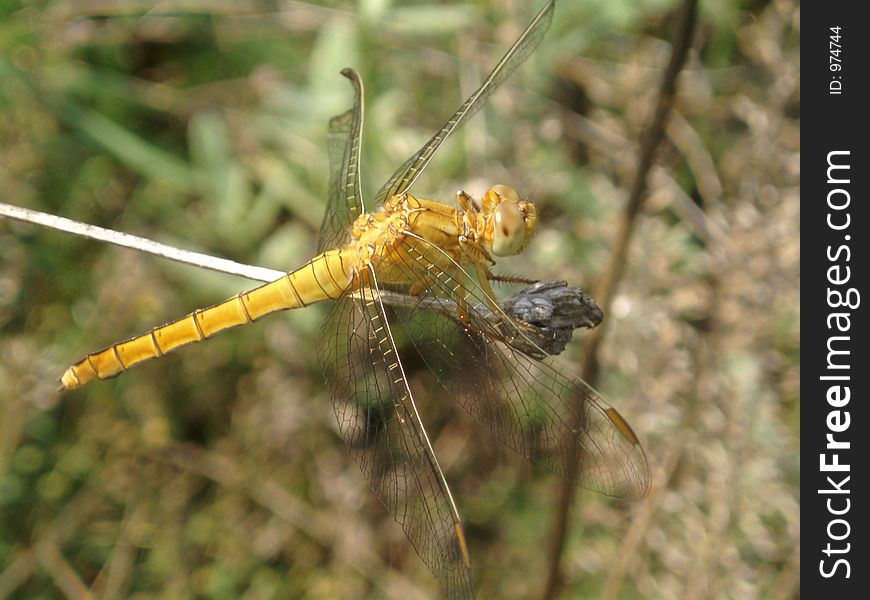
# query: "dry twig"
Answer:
x=607 y=286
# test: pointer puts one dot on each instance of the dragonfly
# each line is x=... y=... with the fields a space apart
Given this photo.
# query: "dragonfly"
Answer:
x=424 y=266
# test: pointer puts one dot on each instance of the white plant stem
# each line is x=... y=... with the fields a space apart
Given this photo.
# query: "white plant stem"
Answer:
x=126 y=240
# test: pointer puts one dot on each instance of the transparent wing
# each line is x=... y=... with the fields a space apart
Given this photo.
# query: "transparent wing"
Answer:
x=407 y=174
x=345 y=201
x=533 y=406
x=379 y=422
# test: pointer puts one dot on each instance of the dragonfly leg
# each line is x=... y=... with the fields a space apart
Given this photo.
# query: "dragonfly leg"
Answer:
x=462 y=302
x=476 y=251
x=466 y=202
x=483 y=277
x=512 y=279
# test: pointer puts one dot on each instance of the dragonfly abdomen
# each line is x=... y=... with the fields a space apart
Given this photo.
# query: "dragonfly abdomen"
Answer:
x=323 y=277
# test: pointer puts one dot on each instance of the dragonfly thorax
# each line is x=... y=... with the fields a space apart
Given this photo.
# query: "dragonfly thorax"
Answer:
x=377 y=232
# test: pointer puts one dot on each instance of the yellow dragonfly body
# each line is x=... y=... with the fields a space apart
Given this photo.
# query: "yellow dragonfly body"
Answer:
x=465 y=236
x=437 y=257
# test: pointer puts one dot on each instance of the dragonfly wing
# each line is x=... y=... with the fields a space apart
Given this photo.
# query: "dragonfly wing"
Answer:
x=533 y=406
x=345 y=201
x=405 y=176
x=379 y=422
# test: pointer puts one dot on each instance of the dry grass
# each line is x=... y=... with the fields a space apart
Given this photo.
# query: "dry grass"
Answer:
x=219 y=472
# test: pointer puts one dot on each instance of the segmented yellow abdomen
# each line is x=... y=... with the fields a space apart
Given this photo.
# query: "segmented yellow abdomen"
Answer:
x=323 y=277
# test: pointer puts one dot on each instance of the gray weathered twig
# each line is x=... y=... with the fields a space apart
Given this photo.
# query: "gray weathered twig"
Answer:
x=551 y=308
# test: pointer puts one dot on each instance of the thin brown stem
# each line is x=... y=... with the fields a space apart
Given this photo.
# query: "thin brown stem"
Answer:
x=606 y=288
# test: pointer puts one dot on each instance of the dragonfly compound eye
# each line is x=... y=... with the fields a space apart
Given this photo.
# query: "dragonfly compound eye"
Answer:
x=508 y=229
x=505 y=192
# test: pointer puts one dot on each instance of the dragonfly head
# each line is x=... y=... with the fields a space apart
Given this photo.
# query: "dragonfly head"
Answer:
x=510 y=221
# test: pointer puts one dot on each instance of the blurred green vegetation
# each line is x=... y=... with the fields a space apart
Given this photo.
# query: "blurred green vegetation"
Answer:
x=218 y=472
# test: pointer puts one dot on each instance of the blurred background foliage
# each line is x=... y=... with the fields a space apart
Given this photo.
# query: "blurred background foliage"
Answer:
x=218 y=472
